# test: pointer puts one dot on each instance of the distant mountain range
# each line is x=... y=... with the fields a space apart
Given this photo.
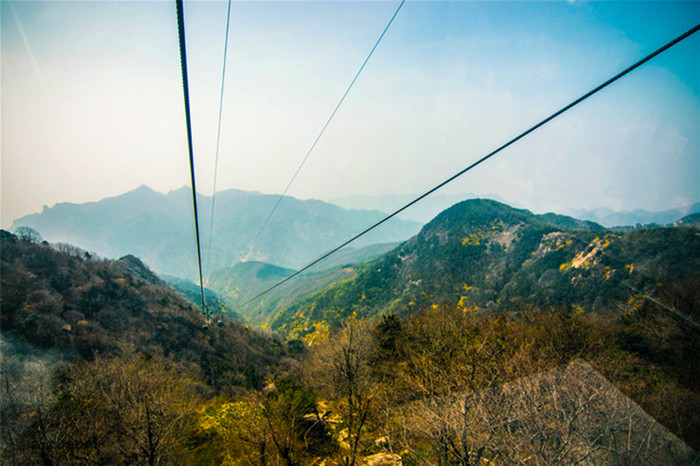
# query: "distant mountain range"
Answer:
x=431 y=206
x=158 y=228
x=610 y=218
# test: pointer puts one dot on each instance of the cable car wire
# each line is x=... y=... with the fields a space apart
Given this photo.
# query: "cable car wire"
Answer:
x=218 y=133
x=325 y=126
x=554 y=115
x=188 y=119
x=664 y=305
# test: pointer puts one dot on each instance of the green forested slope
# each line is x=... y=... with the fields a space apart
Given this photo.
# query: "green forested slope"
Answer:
x=81 y=306
x=484 y=254
x=239 y=284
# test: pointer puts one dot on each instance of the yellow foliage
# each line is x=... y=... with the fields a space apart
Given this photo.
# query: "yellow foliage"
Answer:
x=227 y=417
x=460 y=304
x=477 y=237
x=319 y=334
x=472 y=239
x=498 y=225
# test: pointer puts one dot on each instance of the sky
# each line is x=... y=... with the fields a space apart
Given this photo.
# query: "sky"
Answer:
x=92 y=105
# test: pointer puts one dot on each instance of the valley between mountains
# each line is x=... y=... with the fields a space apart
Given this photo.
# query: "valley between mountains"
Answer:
x=488 y=334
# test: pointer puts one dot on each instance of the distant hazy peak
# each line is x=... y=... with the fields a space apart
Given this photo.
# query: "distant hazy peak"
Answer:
x=611 y=218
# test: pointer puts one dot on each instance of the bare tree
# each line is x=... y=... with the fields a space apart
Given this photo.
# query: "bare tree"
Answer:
x=25 y=406
x=70 y=250
x=121 y=410
x=28 y=234
x=340 y=370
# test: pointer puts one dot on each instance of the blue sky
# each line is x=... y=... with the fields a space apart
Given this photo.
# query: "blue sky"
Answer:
x=92 y=101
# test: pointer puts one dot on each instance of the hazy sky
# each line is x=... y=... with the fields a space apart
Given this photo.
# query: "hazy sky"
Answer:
x=92 y=101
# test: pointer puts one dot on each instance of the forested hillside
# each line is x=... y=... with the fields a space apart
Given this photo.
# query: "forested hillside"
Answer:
x=192 y=292
x=80 y=306
x=481 y=254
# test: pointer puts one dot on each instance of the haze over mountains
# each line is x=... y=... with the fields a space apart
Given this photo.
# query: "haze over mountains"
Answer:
x=610 y=218
x=158 y=228
x=431 y=206
x=422 y=212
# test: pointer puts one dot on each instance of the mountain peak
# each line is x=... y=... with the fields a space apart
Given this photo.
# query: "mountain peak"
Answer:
x=142 y=192
x=479 y=213
x=144 y=188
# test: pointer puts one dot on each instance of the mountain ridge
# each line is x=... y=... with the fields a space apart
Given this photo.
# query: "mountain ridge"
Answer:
x=611 y=218
x=487 y=255
x=158 y=228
